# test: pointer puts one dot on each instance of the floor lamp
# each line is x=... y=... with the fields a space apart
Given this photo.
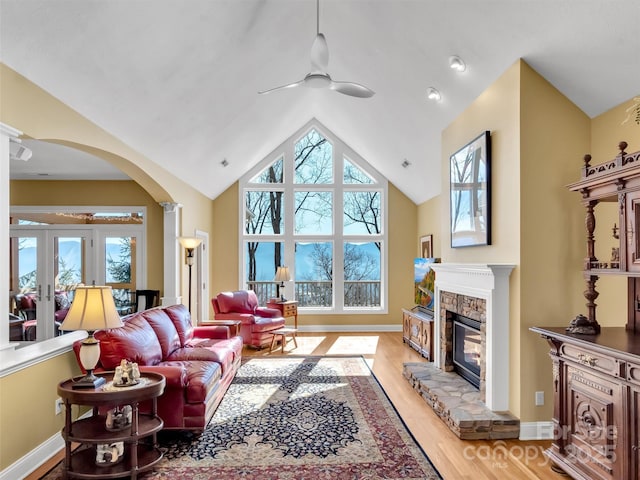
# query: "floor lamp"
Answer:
x=189 y=244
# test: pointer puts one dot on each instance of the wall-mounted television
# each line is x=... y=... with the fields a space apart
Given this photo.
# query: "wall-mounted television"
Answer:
x=424 y=283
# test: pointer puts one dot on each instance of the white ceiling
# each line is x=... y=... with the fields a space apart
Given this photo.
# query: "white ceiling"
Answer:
x=177 y=80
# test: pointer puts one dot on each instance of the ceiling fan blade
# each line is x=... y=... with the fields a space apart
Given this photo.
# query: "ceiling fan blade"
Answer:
x=352 y=89
x=319 y=54
x=282 y=87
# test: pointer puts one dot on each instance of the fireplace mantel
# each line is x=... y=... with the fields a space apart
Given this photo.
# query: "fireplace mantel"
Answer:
x=491 y=283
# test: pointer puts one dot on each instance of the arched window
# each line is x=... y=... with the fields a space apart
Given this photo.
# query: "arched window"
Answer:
x=316 y=206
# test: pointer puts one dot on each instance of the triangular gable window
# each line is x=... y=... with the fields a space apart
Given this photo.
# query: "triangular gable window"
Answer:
x=272 y=174
x=355 y=175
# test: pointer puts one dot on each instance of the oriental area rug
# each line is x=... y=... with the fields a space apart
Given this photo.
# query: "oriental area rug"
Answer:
x=297 y=418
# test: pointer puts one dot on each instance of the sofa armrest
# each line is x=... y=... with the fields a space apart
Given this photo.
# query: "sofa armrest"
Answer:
x=176 y=376
x=266 y=312
x=212 y=331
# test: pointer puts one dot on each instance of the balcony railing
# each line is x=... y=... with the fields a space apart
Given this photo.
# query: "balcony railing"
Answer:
x=361 y=293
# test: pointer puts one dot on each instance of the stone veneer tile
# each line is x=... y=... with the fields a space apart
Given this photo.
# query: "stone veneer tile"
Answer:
x=459 y=404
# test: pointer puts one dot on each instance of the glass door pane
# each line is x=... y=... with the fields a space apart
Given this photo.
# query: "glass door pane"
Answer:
x=119 y=264
x=24 y=280
x=71 y=266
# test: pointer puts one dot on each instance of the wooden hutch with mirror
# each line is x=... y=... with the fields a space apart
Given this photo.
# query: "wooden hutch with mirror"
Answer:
x=596 y=370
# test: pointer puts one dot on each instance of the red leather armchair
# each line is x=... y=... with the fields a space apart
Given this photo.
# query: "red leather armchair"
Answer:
x=257 y=322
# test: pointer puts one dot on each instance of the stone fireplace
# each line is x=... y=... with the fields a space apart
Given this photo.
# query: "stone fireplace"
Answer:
x=479 y=296
x=480 y=292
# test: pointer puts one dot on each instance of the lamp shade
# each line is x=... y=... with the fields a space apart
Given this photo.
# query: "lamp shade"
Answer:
x=282 y=275
x=190 y=242
x=92 y=309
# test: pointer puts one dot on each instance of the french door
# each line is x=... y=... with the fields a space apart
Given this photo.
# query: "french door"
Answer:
x=46 y=264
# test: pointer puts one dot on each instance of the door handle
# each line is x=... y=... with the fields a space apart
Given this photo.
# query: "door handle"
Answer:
x=39 y=294
x=48 y=292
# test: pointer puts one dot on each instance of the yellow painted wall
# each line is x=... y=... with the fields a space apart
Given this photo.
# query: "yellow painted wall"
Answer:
x=30 y=109
x=27 y=401
x=70 y=193
x=554 y=135
x=402 y=250
x=430 y=223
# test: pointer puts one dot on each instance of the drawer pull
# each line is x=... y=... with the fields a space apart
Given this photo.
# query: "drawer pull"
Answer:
x=587 y=360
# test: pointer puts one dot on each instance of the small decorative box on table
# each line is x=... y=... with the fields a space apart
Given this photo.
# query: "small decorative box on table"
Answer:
x=135 y=445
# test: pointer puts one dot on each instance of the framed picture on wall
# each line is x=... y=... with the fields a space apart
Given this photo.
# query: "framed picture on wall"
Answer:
x=470 y=193
x=426 y=246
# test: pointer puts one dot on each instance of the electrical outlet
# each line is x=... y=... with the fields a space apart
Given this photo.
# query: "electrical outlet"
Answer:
x=539 y=399
x=59 y=404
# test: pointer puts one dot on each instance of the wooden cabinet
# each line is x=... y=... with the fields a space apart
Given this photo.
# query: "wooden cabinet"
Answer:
x=417 y=331
x=616 y=181
x=596 y=414
x=139 y=440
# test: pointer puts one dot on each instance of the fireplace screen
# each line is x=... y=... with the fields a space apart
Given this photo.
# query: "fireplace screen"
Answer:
x=467 y=348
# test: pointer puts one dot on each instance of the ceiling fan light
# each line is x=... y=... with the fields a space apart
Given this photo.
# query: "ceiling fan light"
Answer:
x=457 y=64
x=433 y=94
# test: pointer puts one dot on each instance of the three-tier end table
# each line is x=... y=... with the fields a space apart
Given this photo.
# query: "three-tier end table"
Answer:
x=141 y=450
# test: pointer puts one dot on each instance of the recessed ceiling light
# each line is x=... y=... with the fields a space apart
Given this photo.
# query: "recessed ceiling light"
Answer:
x=433 y=94
x=457 y=64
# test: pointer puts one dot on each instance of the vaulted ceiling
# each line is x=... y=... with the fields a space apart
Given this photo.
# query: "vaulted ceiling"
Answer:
x=178 y=80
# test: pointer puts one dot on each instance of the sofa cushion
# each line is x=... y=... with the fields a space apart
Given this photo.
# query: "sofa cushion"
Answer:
x=164 y=329
x=179 y=315
x=223 y=352
x=242 y=301
x=202 y=377
x=135 y=341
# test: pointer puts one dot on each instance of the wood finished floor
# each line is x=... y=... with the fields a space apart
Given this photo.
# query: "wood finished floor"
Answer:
x=455 y=459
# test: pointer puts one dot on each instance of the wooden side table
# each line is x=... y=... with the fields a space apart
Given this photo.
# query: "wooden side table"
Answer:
x=282 y=334
x=234 y=325
x=139 y=455
x=288 y=309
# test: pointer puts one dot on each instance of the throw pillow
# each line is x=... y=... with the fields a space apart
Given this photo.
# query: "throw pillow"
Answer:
x=62 y=301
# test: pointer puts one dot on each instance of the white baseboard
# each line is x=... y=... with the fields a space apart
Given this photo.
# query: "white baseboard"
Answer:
x=33 y=459
x=536 y=431
x=351 y=328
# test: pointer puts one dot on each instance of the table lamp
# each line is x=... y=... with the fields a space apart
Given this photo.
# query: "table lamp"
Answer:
x=92 y=309
x=282 y=275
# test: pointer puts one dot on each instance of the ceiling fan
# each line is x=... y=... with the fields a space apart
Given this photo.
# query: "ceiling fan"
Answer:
x=318 y=77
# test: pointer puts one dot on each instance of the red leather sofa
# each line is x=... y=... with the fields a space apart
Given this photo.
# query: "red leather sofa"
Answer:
x=257 y=322
x=198 y=363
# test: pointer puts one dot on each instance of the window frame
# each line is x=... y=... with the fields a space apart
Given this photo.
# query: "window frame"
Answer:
x=341 y=151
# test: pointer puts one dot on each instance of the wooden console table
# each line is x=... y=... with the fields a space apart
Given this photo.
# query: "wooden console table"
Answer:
x=417 y=331
x=139 y=455
x=596 y=409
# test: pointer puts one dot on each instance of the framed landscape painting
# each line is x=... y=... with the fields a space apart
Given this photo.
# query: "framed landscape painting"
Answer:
x=470 y=193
